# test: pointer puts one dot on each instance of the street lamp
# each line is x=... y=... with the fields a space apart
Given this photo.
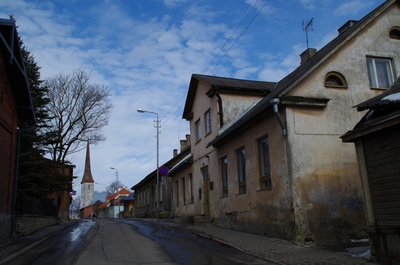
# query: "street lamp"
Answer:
x=158 y=155
x=116 y=175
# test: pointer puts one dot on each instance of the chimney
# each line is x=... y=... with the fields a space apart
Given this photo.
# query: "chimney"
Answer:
x=346 y=26
x=307 y=55
x=175 y=152
x=185 y=144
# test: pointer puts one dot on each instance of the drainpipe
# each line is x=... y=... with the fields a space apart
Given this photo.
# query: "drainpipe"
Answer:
x=275 y=102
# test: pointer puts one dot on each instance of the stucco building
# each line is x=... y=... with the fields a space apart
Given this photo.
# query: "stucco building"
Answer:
x=267 y=158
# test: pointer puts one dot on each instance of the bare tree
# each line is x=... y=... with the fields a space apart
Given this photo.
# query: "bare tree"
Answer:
x=112 y=188
x=78 y=110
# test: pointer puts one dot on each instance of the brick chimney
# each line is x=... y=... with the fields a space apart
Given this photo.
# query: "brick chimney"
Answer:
x=174 y=152
x=185 y=144
x=346 y=26
x=307 y=54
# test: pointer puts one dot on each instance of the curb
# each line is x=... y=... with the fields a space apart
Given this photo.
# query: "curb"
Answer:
x=28 y=245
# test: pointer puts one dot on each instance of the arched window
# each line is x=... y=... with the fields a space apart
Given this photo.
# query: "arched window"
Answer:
x=395 y=33
x=335 y=80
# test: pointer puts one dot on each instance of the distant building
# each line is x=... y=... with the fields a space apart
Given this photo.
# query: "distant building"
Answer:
x=87 y=184
x=113 y=207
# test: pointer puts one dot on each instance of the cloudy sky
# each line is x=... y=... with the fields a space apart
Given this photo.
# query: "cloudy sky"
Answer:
x=145 y=52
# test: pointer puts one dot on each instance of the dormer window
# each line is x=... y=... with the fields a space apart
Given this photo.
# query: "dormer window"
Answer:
x=335 y=80
x=395 y=33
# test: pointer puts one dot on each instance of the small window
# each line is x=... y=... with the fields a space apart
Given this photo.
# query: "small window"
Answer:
x=265 y=169
x=224 y=175
x=177 y=193
x=395 y=33
x=198 y=130
x=207 y=121
x=191 y=188
x=335 y=80
x=184 y=191
x=380 y=72
x=241 y=164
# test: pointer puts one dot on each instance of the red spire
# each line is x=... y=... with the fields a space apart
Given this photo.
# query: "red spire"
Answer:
x=87 y=176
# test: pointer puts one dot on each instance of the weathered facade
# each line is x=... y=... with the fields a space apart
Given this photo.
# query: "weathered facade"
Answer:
x=377 y=141
x=274 y=164
x=145 y=190
x=15 y=106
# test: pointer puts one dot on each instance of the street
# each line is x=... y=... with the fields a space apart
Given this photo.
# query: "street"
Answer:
x=131 y=241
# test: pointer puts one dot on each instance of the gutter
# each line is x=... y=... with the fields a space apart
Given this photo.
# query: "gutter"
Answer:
x=275 y=102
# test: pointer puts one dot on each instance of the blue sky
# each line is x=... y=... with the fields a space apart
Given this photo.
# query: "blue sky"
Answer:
x=145 y=52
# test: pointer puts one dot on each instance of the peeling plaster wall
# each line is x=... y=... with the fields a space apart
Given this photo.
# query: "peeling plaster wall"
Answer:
x=326 y=183
x=264 y=212
x=234 y=105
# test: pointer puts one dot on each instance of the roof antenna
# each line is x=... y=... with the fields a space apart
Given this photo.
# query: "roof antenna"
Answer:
x=307 y=26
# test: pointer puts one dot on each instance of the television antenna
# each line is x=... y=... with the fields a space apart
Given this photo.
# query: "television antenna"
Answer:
x=307 y=26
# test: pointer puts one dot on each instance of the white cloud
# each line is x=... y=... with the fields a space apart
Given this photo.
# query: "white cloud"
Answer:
x=145 y=53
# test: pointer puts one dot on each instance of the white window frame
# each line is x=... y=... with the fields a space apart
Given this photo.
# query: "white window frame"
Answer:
x=264 y=158
x=375 y=78
x=241 y=168
x=197 y=126
x=207 y=121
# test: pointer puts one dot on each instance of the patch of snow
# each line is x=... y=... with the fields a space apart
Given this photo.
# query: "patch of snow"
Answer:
x=365 y=255
x=392 y=97
x=366 y=240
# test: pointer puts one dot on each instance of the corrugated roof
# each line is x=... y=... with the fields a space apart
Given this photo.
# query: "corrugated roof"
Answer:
x=386 y=99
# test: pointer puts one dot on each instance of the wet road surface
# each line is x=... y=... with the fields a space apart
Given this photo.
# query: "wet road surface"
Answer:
x=188 y=248
x=131 y=241
x=61 y=248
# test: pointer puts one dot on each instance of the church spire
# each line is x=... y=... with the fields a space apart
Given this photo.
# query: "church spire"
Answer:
x=87 y=175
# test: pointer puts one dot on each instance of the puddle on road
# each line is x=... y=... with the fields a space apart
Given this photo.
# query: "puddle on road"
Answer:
x=82 y=229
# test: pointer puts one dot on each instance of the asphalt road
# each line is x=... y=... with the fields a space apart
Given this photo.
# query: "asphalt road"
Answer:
x=130 y=241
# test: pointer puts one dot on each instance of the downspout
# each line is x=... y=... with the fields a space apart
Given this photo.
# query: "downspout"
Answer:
x=275 y=102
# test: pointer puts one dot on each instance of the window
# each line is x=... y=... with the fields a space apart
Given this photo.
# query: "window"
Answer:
x=380 y=72
x=207 y=120
x=395 y=33
x=177 y=193
x=184 y=191
x=191 y=188
x=241 y=163
x=335 y=80
x=224 y=175
x=265 y=170
x=198 y=130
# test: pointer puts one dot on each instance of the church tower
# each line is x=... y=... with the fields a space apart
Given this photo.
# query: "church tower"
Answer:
x=87 y=183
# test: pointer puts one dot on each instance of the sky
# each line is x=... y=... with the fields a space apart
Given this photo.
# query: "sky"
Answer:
x=145 y=51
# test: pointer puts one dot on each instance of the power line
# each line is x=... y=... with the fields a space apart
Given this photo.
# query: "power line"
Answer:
x=240 y=35
x=226 y=42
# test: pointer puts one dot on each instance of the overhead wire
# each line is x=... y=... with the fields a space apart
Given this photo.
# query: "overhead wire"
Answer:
x=240 y=35
x=230 y=37
x=175 y=107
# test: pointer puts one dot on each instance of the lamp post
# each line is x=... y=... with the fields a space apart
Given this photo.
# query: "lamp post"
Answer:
x=116 y=175
x=157 y=171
